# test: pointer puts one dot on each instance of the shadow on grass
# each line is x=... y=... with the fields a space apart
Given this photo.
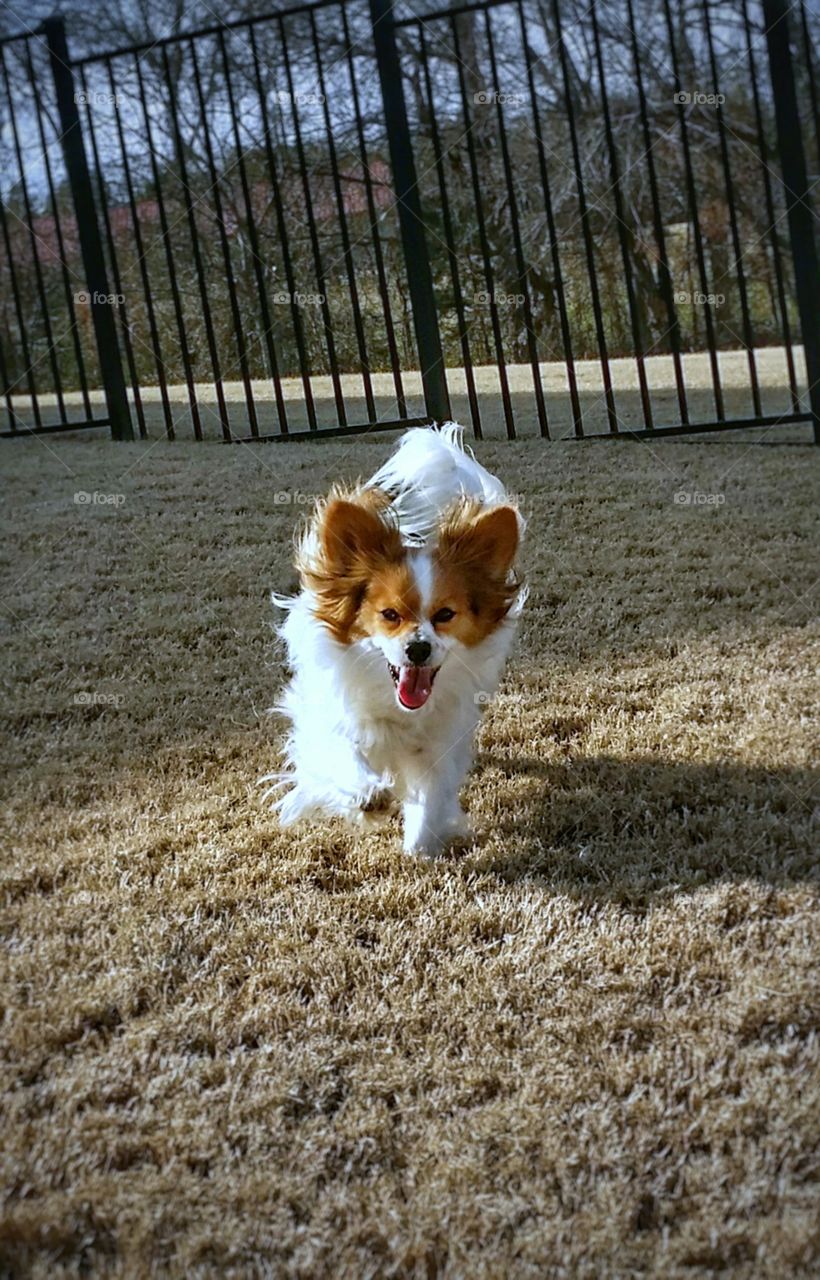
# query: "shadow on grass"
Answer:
x=612 y=829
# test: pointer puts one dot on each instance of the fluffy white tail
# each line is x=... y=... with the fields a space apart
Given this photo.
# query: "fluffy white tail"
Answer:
x=429 y=471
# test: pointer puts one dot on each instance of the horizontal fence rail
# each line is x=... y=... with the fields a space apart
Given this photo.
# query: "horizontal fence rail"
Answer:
x=548 y=218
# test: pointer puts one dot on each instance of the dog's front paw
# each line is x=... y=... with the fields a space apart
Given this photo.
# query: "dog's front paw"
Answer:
x=430 y=843
x=378 y=806
x=425 y=848
x=438 y=846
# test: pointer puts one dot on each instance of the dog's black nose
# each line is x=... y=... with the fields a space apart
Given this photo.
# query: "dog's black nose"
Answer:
x=418 y=651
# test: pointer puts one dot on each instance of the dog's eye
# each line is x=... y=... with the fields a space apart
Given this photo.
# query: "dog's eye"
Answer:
x=443 y=615
x=390 y=615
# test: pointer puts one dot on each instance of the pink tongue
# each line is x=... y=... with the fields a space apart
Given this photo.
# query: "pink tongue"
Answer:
x=415 y=686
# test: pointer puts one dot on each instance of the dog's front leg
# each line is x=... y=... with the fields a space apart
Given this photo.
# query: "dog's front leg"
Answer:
x=433 y=816
x=330 y=774
x=362 y=793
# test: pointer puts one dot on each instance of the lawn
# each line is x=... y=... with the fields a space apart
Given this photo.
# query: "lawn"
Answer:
x=587 y=1046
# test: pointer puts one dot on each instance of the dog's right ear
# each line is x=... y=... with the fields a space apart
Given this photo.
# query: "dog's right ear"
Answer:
x=353 y=532
x=353 y=540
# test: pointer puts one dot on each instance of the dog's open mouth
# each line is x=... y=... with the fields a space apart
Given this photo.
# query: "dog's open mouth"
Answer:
x=413 y=684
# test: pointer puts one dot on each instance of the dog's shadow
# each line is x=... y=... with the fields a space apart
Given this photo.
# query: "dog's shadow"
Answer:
x=608 y=828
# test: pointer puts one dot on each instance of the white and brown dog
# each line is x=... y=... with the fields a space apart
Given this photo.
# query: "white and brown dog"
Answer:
x=408 y=605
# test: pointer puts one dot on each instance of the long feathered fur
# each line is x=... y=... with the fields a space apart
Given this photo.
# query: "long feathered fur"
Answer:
x=430 y=471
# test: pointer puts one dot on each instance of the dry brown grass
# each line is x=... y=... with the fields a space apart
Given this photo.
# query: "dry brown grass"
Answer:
x=588 y=1047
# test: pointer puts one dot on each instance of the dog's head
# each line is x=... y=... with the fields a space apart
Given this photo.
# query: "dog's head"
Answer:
x=418 y=606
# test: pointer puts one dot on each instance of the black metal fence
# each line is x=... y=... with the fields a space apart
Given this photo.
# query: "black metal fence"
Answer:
x=553 y=219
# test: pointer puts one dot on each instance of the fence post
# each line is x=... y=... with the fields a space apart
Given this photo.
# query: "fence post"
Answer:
x=102 y=313
x=795 y=182
x=411 y=223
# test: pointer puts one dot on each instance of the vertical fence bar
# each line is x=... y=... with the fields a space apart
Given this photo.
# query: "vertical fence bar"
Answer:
x=795 y=182
x=367 y=178
x=165 y=236
x=7 y=393
x=520 y=263
x=125 y=329
x=771 y=217
x=236 y=314
x=807 y=51
x=449 y=239
x=625 y=232
x=113 y=379
x=603 y=355
x=33 y=238
x=284 y=243
x=717 y=388
x=210 y=336
x=347 y=253
x=411 y=221
x=28 y=372
x=489 y=275
x=58 y=230
x=664 y=275
x=327 y=322
x=258 y=264
x=748 y=333
x=150 y=312
x=560 y=293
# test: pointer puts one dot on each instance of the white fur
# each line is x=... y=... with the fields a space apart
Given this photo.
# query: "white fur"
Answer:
x=427 y=473
x=351 y=743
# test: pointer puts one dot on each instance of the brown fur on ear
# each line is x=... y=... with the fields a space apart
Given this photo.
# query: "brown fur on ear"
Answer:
x=352 y=530
x=354 y=541
x=480 y=546
x=472 y=535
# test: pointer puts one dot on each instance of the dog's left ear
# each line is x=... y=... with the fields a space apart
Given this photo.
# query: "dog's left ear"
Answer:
x=484 y=540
